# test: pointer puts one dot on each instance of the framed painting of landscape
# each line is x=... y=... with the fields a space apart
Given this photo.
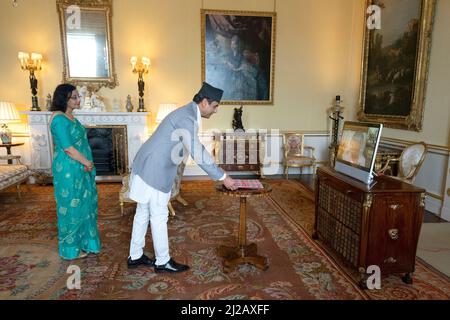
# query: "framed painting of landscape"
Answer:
x=395 y=63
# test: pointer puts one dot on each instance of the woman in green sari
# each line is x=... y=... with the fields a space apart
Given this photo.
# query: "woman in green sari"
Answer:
x=73 y=178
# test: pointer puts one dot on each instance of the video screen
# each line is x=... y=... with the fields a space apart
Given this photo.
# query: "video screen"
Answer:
x=358 y=145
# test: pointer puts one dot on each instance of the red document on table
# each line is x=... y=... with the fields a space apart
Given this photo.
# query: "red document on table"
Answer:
x=248 y=184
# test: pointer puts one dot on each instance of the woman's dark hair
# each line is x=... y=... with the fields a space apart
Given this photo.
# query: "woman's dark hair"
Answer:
x=199 y=97
x=62 y=94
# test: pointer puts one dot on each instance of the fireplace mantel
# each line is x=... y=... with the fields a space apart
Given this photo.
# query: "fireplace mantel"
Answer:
x=40 y=137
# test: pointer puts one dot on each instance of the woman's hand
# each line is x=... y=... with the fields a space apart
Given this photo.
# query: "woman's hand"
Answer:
x=88 y=166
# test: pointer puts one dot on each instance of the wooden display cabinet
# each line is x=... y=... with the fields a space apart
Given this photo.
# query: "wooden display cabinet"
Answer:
x=240 y=151
x=369 y=226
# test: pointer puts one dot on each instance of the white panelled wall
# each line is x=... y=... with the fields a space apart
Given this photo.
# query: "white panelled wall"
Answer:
x=434 y=176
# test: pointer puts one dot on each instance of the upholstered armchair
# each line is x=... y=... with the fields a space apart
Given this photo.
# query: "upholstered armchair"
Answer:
x=296 y=153
x=13 y=174
x=410 y=161
x=175 y=193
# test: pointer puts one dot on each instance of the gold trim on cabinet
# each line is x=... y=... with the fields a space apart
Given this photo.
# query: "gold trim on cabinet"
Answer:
x=423 y=196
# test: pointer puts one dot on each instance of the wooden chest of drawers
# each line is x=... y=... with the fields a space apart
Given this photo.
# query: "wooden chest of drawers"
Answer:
x=239 y=151
x=369 y=226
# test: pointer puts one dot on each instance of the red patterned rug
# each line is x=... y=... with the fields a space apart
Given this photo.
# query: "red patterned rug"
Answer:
x=299 y=268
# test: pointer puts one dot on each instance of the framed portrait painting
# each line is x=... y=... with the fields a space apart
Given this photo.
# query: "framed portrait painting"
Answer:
x=395 y=63
x=238 y=54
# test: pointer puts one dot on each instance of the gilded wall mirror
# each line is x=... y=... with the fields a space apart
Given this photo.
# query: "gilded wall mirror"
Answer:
x=86 y=37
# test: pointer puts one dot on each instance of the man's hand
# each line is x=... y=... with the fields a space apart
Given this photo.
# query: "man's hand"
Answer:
x=229 y=183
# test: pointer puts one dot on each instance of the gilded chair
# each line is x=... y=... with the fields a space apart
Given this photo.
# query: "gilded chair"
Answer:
x=124 y=193
x=175 y=193
x=409 y=162
x=296 y=153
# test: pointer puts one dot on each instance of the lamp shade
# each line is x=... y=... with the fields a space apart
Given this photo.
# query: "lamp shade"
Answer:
x=164 y=110
x=8 y=112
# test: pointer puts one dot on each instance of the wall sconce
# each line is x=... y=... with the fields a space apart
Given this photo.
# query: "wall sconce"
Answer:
x=141 y=68
x=164 y=110
x=32 y=65
x=8 y=114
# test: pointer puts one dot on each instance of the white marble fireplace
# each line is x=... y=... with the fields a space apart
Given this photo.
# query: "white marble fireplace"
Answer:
x=40 y=137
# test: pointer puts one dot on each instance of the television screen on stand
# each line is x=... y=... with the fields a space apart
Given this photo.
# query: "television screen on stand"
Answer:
x=358 y=149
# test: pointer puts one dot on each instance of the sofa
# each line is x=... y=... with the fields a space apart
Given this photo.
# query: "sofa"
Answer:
x=13 y=174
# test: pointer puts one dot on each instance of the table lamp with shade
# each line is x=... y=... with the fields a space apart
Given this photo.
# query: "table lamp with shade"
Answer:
x=8 y=114
x=164 y=110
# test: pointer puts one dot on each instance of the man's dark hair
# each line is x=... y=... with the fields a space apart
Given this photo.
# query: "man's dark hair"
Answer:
x=62 y=94
x=199 y=97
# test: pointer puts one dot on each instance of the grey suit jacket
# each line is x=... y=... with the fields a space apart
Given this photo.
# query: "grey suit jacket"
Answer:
x=157 y=160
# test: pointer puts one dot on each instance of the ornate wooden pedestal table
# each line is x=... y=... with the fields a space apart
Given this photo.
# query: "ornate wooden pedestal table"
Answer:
x=243 y=252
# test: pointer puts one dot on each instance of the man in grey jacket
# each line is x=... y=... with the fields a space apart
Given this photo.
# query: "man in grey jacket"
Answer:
x=153 y=174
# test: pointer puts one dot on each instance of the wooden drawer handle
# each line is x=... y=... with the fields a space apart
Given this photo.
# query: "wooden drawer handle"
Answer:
x=393 y=234
x=349 y=191
x=390 y=260
x=396 y=206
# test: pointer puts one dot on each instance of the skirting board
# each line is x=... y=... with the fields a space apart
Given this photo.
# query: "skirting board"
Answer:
x=435 y=206
x=445 y=213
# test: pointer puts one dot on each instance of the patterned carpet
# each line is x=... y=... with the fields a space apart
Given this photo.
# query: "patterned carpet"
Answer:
x=299 y=268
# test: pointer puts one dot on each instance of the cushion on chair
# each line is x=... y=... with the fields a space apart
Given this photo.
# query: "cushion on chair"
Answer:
x=12 y=174
x=299 y=160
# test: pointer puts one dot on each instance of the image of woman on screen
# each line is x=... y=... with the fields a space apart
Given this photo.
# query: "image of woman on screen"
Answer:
x=354 y=152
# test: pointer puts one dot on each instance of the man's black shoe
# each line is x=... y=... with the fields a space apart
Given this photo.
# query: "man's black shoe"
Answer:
x=144 y=260
x=171 y=266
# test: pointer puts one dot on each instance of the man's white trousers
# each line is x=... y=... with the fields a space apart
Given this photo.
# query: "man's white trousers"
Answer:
x=151 y=206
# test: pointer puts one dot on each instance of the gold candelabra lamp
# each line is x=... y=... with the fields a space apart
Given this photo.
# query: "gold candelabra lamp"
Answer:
x=336 y=111
x=140 y=67
x=32 y=65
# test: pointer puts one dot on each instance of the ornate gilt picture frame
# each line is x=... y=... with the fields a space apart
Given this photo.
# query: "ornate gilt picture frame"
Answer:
x=238 y=54
x=86 y=27
x=395 y=64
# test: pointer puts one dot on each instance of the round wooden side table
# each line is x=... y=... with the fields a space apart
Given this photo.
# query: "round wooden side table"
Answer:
x=8 y=148
x=242 y=252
